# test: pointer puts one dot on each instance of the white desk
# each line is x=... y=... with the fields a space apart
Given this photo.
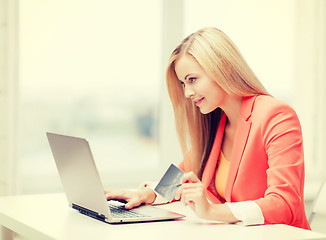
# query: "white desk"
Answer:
x=49 y=217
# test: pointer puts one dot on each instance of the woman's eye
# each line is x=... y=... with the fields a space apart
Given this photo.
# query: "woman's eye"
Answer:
x=192 y=80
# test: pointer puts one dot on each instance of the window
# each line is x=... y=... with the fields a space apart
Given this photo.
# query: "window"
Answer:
x=90 y=69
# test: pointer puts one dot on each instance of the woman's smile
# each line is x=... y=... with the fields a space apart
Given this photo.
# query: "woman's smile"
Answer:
x=197 y=102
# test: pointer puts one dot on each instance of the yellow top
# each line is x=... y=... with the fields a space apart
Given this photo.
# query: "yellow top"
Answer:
x=222 y=173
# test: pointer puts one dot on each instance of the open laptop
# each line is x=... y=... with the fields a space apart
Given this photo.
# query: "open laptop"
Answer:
x=83 y=186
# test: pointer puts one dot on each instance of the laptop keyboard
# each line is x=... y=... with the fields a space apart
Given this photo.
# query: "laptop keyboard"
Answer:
x=118 y=211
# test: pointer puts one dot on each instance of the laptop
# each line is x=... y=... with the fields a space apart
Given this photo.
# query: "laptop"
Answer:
x=83 y=187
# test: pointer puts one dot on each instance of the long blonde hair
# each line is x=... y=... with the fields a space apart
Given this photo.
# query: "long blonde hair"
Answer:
x=222 y=61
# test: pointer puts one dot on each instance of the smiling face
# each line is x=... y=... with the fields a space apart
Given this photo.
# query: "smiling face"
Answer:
x=198 y=86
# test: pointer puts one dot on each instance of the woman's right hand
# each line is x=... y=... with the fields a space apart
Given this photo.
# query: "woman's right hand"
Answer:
x=132 y=198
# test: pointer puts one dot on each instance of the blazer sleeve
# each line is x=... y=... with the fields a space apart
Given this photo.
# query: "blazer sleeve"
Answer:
x=282 y=138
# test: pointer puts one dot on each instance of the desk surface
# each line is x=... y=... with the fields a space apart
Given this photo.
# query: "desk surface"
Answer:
x=49 y=217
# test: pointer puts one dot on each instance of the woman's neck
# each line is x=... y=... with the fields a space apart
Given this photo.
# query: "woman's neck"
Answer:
x=231 y=108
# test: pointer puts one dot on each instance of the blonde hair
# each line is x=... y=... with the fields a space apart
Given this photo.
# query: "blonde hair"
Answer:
x=223 y=63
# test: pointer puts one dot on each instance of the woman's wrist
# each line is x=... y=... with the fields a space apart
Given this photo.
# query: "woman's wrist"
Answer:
x=221 y=212
x=149 y=195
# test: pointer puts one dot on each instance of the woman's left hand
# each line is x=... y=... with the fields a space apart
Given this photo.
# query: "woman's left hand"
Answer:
x=192 y=193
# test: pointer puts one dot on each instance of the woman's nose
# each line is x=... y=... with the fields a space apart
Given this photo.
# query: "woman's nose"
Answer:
x=189 y=92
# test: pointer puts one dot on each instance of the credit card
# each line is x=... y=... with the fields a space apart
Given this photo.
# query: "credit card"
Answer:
x=170 y=182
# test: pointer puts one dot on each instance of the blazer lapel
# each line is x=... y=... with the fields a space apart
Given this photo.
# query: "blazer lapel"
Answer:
x=241 y=136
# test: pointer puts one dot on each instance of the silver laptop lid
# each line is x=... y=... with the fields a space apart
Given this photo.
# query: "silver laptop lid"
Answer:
x=78 y=174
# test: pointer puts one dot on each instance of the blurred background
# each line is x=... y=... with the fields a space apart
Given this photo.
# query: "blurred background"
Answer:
x=95 y=69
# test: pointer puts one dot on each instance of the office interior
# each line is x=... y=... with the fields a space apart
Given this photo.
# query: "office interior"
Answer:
x=95 y=69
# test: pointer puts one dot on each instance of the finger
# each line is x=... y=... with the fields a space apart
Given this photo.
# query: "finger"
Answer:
x=107 y=191
x=132 y=203
x=194 y=197
x=189 y=197
x=189 y=177
x=117 y=194
x=198 y=186
x=110 y=196
x=178 y=193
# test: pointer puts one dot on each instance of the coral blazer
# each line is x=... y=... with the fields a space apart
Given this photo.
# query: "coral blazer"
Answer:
x=267 y=163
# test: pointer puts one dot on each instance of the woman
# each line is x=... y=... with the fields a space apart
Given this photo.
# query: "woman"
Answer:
x=243 y=153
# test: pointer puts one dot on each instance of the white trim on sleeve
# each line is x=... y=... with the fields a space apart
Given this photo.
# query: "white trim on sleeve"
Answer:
x=248 y=212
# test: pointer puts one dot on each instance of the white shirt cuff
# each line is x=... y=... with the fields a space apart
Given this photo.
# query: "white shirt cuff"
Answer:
x=248 y=212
